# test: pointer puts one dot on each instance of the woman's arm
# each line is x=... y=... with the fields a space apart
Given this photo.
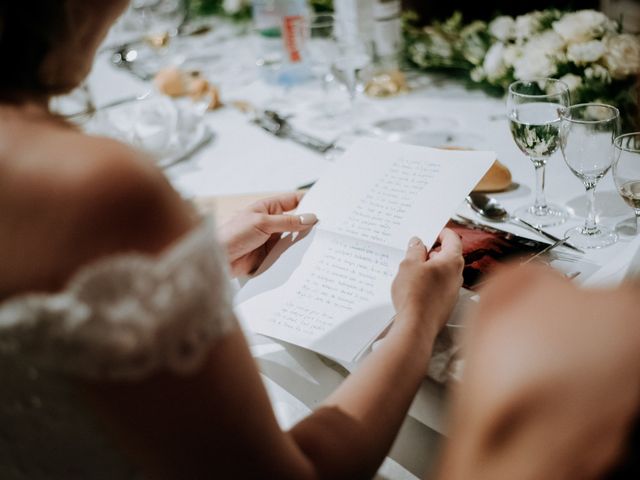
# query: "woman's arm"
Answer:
x=551 y=384
x=219 y=422
x=375 y=398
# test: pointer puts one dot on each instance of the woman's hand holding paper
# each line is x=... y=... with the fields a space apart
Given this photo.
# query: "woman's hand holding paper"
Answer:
x=253 y=232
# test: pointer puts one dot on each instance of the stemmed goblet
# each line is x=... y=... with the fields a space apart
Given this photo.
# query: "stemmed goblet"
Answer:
x=352 y=57
x=626 y=171
x=587 y=134
x=534 y=109
x=322 y=47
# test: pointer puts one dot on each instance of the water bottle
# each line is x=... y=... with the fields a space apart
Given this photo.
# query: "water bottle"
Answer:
x=281 y=29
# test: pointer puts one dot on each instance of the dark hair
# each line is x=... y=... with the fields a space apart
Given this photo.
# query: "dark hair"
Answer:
x=28 y=31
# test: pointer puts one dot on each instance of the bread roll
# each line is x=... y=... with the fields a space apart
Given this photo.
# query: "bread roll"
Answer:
x=497 y=178
x=171 y=81
x=174 y=82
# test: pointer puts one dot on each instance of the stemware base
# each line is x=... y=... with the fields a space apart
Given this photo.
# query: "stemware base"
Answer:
x=583 y=238
x=551 y=215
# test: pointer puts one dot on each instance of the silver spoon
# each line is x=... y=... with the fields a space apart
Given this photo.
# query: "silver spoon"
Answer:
x=491 y=209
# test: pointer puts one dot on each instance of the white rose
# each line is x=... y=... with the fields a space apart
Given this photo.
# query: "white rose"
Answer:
x=511 y=54
x=534 y=65
x=572 y=81
x=540 y=56
x=527 y=25
x=232 y=6
x=585 y=52
x=537 y=65
x=582 y=26
x=622 y=56
x=547 y=43
x=503 y=28
x=493 y=64
x=597 y=72
x=477 y=74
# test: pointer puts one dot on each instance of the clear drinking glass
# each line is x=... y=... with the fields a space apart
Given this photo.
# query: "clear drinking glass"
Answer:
x=159 y=18
x=626 y=171
x=351 y=59
x=587 y=134
x=322 y=47
x=534 y=109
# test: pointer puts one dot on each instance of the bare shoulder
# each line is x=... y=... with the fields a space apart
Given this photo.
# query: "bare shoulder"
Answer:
x=72 y=198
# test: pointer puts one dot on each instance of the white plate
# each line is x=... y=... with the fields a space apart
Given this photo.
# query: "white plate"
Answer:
x=169 y=130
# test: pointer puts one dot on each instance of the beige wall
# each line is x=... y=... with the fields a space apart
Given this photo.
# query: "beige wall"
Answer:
x=628 y=9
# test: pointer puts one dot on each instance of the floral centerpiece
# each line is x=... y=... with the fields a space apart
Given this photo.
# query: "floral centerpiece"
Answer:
x=585 y=49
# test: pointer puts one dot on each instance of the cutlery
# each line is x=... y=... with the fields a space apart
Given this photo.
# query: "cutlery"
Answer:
x=548 y=248
x=114 y=103
x=279 y=126
x=491 y=209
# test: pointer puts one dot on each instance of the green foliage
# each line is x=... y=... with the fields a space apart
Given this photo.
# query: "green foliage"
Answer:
x=460 y=49
x=322 y=6
x=215 y=7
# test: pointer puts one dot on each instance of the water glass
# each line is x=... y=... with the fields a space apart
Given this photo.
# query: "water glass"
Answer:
x=587 y=134
x=626 y=171
x=534 y=109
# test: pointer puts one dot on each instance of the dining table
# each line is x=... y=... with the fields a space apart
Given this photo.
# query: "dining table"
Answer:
x=243 y=162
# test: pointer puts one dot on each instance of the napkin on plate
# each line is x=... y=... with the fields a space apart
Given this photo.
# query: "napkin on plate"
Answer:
x=166 y=129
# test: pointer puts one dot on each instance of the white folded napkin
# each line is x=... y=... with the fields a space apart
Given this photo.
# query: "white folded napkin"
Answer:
x=164 y=128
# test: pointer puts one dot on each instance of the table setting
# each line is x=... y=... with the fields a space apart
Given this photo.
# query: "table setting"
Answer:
x=577 y=209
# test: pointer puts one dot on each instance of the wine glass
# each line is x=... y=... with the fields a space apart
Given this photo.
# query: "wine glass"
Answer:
x=626 y=171
x=352 y=58
x=159 y=19
x=534 y=109
x=322 y=48
x=586 y=140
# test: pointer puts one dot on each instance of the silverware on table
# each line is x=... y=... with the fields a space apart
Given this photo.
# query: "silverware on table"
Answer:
x=491 y=209
x=279 y=126
x=106 y=106
x=557 y=243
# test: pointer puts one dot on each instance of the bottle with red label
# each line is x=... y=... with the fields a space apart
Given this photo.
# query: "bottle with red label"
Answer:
x=281 y=27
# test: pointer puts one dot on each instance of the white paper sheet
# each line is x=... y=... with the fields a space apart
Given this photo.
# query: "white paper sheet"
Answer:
x=330 y=290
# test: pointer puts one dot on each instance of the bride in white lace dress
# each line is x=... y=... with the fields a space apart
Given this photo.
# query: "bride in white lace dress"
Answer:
x=119 y=350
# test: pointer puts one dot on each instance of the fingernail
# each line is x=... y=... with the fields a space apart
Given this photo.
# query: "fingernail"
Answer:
x=414 y=242
x=307 y=219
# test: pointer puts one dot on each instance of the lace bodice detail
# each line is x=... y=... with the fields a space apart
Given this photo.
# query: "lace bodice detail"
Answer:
x=128 y=315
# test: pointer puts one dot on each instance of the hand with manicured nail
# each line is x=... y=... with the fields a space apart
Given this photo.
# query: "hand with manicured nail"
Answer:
x=427 y=284
x=253 y=232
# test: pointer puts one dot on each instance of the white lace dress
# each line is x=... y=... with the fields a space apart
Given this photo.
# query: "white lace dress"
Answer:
x=123 y=317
